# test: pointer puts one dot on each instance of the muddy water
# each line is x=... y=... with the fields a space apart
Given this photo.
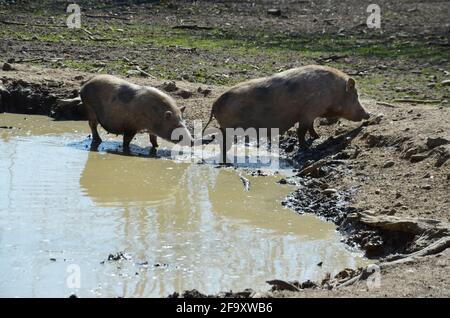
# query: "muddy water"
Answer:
x=64 y=209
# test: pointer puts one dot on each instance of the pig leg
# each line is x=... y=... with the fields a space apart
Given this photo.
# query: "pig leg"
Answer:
x=313 y=133
x=226 y=145
x=153 y=141
x=93 y=123
x=303 y=127
x=95 y=136
x=127 y=138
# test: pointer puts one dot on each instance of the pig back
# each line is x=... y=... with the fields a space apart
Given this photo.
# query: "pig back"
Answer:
x=278 y=101
x=116 y=103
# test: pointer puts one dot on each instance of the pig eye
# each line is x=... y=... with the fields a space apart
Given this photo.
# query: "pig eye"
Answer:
x=167 y=114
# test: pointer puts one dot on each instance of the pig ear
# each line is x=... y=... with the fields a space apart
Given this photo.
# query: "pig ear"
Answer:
x=350 y=85
x=182 y=109
x=167 y=114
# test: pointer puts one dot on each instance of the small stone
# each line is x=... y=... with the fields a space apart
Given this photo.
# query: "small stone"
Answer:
x=329 y=191
x=392 y=212
x=282 y=181
x=169 y=86
x=445 y=82
x=184 y=93
x=426 y=187
x=7 y=67
x=274 y=12
x=418 y=157
x=388 y=164
x=377 y=191
x=205 y=91
x=436 y=142
x=320 y=264
x=398 y=195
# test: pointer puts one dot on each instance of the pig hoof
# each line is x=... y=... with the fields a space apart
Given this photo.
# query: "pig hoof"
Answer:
x=304 y=146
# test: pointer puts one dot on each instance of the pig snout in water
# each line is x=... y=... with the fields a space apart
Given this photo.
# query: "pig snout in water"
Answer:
x=280 y=101
x=123 y=108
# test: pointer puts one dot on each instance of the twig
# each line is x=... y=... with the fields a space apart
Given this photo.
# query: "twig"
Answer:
x=419 y=101
x=144 y=72
x=331 y=58
x=386 y=104
x=192 y=27
x=33 y=25
x=12 y=22
x=107 y=17
x=436 y=247
x=245 y=182
x=126 y=59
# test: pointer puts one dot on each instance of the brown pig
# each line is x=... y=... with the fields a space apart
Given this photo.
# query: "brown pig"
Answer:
x=124 y=108
x=280 y=101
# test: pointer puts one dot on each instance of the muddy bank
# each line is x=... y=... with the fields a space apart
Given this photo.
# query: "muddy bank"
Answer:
x=385 y=182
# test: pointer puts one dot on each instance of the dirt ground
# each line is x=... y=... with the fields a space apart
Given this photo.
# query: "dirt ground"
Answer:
x=385 y=182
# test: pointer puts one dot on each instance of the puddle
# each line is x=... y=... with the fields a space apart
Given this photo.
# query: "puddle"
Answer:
x=64 y=209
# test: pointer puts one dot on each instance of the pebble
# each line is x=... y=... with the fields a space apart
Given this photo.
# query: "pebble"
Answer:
x=329 y=191
x=388 y=164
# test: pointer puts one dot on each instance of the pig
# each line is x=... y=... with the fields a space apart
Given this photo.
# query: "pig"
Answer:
x=298 y=95
x=123 y=108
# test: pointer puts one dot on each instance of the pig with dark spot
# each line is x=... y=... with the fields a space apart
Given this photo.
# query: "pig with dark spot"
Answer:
x=126 y=109
x=280 y=101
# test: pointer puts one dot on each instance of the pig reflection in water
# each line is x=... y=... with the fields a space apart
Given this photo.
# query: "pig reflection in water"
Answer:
x=184 y=194
x=117 y=180
x=200 y=221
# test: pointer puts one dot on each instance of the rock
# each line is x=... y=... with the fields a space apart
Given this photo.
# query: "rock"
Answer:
x=274 y=12
x=392 y=212
x=418 y=157
x=398 y=195
x=426 y=187
x=133 y=72
x=328 y=121
x=205 y=91
x=169 y=86
x=185 y=93
x=329 y=191
x=79 y=78
x=389 y=164
x=445 y=82
x=373 y=121
x=436 y=142
x=377 y=191
x=442 y=154
x=7 y=67
x=282 y=181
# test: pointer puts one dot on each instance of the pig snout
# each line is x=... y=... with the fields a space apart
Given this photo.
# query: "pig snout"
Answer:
x=182 y=135
x=360 y=113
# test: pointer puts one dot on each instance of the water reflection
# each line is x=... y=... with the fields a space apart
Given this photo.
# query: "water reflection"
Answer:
x=60 y=201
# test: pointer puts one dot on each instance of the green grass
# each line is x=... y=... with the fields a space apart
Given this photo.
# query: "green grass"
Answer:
x=226 y=57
